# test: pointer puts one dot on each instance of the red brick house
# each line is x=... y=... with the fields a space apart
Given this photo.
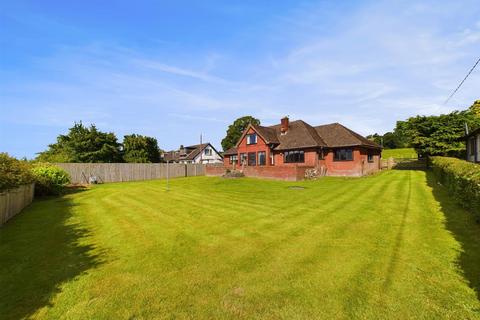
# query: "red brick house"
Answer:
x=289 y=149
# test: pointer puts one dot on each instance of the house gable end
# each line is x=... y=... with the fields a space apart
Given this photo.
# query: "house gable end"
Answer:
x=203 y=148
x=245 y=132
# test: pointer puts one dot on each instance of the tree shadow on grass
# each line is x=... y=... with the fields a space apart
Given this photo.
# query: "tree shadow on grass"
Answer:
x=466 y=231
x=40 y=249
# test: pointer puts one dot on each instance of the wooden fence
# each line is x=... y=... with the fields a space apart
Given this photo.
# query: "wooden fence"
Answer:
x=121 y=172
x=13 y=201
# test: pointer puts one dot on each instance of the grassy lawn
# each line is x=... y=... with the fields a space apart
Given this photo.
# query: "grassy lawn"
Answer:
x=390 y=246
x=399 y=153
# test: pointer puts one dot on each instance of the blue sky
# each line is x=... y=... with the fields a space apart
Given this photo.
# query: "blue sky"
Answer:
x=175 y=69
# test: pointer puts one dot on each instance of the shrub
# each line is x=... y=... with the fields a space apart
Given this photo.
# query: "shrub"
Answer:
x=49 y=179
x=461 y=178
x=13 y=172
x=234 y=174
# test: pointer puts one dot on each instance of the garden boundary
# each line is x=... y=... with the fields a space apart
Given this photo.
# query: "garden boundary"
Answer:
x=82 y=173
x=13 y=201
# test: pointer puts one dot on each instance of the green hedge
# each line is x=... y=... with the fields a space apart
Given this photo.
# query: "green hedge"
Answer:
x=49 y=179
x=13 y=172
x=461 y=178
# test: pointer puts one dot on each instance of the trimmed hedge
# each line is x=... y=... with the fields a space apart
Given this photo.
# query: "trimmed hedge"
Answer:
x=49 y=179
x=461 y=178
x=13 y=172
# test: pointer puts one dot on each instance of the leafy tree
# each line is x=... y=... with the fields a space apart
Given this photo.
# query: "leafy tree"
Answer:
x=138 y=148
x=475 y=108
x=378 y=139
x=235 y=130
x=389 y=140
x=13 y=172
x=55 y=154
x=83 y=144
x=403 y=139
x=439 y=135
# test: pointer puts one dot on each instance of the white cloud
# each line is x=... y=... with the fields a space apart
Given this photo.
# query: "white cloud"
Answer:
x=178 y=71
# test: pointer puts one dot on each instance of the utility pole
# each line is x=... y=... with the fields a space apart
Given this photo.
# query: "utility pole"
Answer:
x=168 y=176
x=201 y=153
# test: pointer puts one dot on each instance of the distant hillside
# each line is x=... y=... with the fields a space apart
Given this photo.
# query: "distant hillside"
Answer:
x=399 y=153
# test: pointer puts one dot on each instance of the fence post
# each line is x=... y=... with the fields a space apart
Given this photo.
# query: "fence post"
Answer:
x=390 y=163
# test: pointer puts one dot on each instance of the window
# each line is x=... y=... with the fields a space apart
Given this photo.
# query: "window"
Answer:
x=262 y=158
x=207 y=152
x=294 y=156
x=343 y=155
x=370 y=157
x=252 y=138
x=252 y=159
x=243 y=158
x=233 y=159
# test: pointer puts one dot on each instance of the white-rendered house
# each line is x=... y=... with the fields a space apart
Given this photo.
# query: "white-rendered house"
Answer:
x=200 y=153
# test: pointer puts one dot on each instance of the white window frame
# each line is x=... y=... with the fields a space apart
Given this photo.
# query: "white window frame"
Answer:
x=251 y=135
x=265 y=158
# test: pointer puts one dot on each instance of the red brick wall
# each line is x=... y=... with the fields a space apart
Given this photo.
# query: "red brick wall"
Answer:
x=290 y=173
x=243 y=147
x=311 y=159
x=226 y=162
x=371 y=167
x=358 y=167
x=214 y=170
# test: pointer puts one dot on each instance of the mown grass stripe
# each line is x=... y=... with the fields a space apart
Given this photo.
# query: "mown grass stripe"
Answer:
x=213 y=248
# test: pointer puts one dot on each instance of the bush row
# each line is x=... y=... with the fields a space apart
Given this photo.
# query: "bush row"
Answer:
x=13 y=172
x=461 y=178
x=49 y=179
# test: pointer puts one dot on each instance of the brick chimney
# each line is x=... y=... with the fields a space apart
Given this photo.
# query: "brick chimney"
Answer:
x=284 y=123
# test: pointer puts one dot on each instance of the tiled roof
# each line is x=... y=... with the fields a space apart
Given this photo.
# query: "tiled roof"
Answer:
x=336 y=135
x=231 y=151
x=299 y=135
x=171 y=156
x=267 y=133
x=302 y=135
x=196 y=149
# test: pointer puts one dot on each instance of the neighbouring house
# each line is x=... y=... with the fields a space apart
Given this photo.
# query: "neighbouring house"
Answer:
x=293 y=149
x=473 y=146
x=199 y=153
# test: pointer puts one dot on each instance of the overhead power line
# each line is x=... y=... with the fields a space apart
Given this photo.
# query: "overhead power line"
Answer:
x=461 y=83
